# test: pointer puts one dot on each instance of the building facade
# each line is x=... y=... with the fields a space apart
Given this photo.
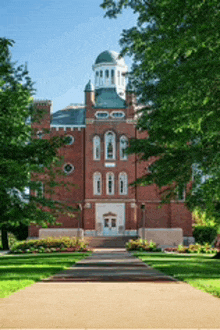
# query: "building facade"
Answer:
x=96 y=163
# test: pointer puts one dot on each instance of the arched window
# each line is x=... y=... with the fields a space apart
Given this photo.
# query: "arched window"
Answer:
x=112 y=77
x=109 y=145
x=123 y=146
x=96 y=148
x=97 y=183
x=97 y=78
x=101 y=78
x=107 y=77
x=123 y=184
x=110 y=184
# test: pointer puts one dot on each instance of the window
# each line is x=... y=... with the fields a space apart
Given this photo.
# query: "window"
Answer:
x=101 y=78
x=110 y=184
x=69 y=140
x=102 y=114
x=123 y=147
x=97 y=78
x=112 y=77
x=97 y=184
x=68 y=168
x=117 y=114
x=109 y=145
x=40 y=134
x=107 y=77
x=123 y=184
x=96 y=148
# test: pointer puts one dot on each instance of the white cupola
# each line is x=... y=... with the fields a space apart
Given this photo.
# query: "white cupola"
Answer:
x=110 y=72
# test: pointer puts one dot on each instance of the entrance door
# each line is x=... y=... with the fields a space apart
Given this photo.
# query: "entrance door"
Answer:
x=110 y=226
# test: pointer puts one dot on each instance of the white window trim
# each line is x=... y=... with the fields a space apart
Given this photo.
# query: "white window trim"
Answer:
x=120 y=146
x=98 y=112
x=96 y=177
x=72 y=139
x=113 y=112
x=40 y=134
x=96 y=137
x=114 y=146
x=113 y=184
x=73 y=168
x=123 y=176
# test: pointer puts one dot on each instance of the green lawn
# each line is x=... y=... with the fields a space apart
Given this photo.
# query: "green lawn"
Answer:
x=200 y=271
x=17 y=272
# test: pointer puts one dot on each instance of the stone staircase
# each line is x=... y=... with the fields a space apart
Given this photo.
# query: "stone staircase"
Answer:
x=108 y=241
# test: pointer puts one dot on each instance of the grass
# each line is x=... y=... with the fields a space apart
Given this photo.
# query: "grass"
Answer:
x=18 y=272
x=200 y=271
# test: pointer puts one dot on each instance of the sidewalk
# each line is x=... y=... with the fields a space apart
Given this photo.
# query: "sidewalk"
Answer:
x=110 y=290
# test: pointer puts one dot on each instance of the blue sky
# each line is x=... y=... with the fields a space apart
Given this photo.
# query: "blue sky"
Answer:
x=60 y=40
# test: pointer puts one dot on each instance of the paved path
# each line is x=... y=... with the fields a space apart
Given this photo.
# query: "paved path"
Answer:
x=110 y=265
x=152 y=301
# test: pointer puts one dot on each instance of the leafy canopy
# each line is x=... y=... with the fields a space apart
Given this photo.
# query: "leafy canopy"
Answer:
x=176 y=54
x=24 y=160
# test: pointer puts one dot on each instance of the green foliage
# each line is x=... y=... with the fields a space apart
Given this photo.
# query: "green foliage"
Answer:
x=50 y=244
x=201 y=218
x=193 y=248
x=204 y=234
x=175 y=47
x=24 y=158
x=142 y=245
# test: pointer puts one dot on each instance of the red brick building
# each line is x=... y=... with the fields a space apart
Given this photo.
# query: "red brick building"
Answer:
x=95 y=160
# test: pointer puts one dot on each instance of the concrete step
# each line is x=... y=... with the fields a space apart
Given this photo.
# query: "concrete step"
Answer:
x=108 y=241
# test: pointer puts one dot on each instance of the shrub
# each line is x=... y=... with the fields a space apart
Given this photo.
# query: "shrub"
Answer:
x=193 y=248
x=50 y=244
x=204 y=234
x=142 y=245
x=182 y=249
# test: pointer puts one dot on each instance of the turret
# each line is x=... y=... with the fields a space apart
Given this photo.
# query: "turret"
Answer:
x=89 y=94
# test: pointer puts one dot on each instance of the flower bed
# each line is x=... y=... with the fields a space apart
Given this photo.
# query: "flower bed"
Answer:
x=50 y=244
x=142 y=245
x=193 y=248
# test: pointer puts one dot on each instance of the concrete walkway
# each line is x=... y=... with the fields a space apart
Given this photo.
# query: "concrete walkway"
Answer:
x=110 y=265
x=110 y=290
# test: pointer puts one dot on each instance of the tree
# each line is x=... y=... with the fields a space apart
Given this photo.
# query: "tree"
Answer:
x=176 y=54
x=23 y=158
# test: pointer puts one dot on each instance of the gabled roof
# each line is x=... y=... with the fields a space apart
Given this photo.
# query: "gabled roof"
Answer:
x=108 y=98
x=69 y=117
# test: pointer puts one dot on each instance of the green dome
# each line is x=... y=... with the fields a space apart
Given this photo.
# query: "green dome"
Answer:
x=109 y=56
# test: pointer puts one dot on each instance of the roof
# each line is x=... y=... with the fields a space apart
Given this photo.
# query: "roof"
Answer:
x=69 y=117
x=109 y=56
x=89 y=87
x=108 y=98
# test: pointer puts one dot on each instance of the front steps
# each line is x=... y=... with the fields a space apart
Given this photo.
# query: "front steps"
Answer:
x=106 y=242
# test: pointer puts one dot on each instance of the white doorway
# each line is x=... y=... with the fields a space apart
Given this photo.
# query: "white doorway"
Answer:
x=110 y=219
x=110 y=224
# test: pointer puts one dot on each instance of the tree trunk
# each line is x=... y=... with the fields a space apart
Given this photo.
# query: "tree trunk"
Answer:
x=5 y=239
x=216 y=256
